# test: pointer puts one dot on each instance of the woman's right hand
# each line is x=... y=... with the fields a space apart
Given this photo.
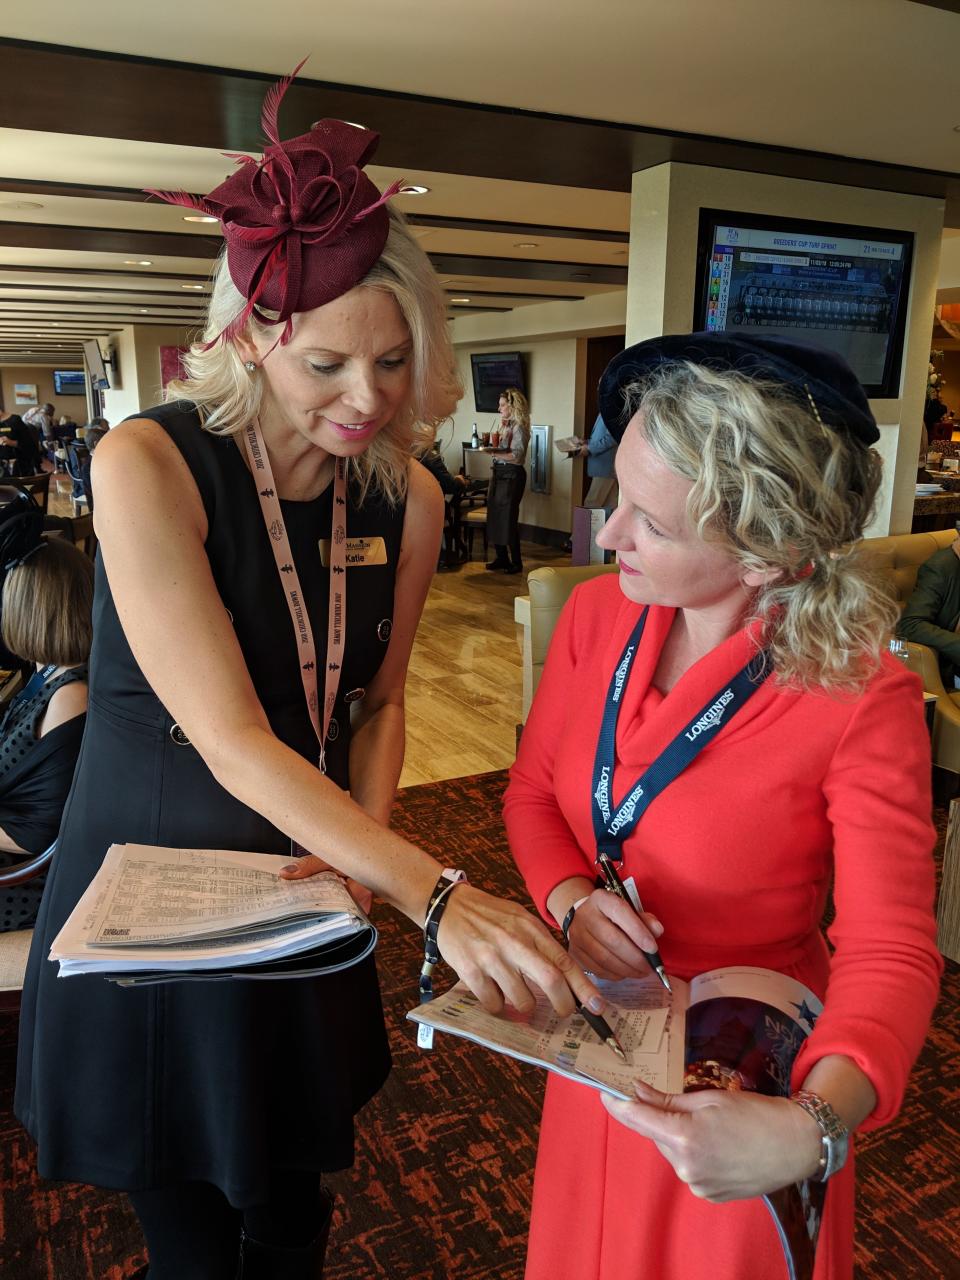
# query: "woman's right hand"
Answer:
x=504 y=955
x=608 y=938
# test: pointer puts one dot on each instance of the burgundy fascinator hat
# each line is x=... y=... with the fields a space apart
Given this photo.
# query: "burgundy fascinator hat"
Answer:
x=302 y=225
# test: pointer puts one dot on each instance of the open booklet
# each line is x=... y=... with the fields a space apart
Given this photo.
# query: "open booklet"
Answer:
x=734 y=1028
x=569 y=445
x=153 y=914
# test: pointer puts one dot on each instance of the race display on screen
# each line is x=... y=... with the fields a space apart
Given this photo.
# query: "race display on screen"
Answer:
x=848 y=292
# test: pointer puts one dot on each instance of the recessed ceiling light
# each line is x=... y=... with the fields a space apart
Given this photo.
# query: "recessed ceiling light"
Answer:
x=199 y=217
x=137 y=262
x=526 y=244
x=20 y=204
x=191 y=286
x=415 y=190
x=620 y=253
x=459 y=299
x=581 y=275
x=143 y=311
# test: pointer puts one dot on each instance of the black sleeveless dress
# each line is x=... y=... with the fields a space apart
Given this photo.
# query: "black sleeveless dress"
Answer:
x=216 y=1081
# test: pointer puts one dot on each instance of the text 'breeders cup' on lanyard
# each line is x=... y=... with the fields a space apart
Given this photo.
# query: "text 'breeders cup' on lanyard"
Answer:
x=611 y=828
x=337 y=619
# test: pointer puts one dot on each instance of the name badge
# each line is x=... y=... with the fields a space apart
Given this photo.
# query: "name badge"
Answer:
x=360 y=552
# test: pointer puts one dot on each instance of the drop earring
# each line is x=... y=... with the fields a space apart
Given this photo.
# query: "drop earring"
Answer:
x=250 y=365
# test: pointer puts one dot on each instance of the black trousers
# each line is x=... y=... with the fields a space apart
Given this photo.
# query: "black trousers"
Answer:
x=507 y=484
x=193 y=1232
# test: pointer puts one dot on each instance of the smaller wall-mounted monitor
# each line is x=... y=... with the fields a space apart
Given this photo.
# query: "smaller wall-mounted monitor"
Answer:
x=493 y=373
x=95 y=365
x=841 y=287
x=70 y=382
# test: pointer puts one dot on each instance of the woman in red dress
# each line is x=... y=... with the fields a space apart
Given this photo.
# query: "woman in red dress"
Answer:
x=745 y=476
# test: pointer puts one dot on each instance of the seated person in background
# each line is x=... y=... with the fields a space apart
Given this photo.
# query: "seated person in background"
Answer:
x=938 y=420
x=46 y=620
x=453 y=487
x=94 y=432
x=932 y=613
x=18 y=445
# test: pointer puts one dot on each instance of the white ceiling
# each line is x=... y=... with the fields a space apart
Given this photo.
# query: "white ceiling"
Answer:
x=869 y=79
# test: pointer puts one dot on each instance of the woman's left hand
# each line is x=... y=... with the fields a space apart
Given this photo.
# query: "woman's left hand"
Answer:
x=724 y=1144
x=310 y=865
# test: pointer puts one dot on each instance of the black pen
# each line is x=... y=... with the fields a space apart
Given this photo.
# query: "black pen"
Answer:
x=613 y=884
x=603 y=1029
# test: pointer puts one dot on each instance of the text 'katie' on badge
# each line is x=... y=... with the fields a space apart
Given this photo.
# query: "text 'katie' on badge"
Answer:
x=360 y=551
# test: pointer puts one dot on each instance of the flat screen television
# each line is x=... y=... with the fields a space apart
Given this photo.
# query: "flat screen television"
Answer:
x=841 y=287
x=70 y=382
x=493 y=373
x=95 y=365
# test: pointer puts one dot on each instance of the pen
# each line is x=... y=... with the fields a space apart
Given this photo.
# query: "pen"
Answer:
x=603 y=1029
x=613 y=884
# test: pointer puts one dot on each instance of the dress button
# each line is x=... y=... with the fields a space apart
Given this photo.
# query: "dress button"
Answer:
x=179 y=737
x=384 y=630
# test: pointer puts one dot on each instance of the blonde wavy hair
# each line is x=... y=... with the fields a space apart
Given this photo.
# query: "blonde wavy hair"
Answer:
x=519 y=409
x=228 y=397
x=782 y=493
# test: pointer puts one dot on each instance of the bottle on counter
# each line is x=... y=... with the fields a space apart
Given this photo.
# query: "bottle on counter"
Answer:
x=475 y=438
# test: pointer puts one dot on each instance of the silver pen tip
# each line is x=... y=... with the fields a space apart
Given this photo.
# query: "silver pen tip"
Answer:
x=617 y=1048
x=663 y=978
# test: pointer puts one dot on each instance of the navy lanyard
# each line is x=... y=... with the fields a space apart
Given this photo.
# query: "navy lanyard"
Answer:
x=611 y=828
x=33 y=686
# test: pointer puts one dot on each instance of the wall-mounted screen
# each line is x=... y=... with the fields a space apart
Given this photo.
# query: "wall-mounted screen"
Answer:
x=95 y=365
x=841 y=287
x=70 y=382
x=493 y=373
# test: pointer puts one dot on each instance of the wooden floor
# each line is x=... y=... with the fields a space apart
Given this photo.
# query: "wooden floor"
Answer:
x=464 y=684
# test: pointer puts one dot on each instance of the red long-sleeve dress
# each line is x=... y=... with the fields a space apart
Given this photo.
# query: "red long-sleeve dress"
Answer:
x=735 y=858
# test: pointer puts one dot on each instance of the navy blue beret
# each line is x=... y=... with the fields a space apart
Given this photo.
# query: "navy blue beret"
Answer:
x=805 y=370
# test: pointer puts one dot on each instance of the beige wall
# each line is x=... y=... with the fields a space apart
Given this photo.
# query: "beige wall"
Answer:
x=663 y=242
x=42 y=376
x=551 y=338
x=138 y=354
x=552 y=372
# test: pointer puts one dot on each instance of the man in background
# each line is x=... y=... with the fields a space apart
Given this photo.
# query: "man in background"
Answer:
x=600 y=451
x=932 y=613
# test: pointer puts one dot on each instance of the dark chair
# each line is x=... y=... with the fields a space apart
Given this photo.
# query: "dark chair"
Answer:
x=38 y=485
x=78 y=462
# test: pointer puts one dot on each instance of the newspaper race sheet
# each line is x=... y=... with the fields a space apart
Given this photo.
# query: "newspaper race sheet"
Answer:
x=640 y=1014
x=176 y=913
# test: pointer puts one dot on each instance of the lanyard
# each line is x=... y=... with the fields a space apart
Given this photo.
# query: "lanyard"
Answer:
x=337 y=624
x=32 y=687
x=612 y=829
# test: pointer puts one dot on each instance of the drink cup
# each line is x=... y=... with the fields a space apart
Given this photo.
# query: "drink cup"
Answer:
x=494 y=439
x=485 y=439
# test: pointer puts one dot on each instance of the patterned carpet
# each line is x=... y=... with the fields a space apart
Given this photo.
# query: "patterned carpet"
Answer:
x=441 y=1185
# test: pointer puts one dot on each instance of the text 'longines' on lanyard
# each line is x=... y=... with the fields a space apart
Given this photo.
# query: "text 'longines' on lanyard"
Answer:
x=611 y=829
x=262 y=472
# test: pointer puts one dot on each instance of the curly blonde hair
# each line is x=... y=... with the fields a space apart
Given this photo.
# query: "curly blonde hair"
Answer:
x=782 y=493
x=519 y=409
x=228 y=397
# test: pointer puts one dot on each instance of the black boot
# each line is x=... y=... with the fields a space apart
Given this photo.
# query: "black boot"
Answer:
x=499 y=563
x=260 y=1261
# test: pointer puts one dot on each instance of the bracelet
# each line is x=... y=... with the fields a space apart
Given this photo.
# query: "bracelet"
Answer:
x=435 y=908
x=568 y=918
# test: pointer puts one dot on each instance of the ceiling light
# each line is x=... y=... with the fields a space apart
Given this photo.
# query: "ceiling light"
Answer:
x=143 y=311
x=191 y=286
x=20 y=204
x=526 y=244
x=581 y=275
x=199 y=217
x=459 y=299
x=137 y=262
x=414 y=191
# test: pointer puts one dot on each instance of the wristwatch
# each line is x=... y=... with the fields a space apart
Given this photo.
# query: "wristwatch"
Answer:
x=834 y=1134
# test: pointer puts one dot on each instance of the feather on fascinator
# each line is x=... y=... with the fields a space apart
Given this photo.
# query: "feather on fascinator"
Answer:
x=302 y=225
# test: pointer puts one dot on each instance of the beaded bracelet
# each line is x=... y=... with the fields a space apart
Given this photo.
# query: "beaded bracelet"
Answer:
x=431 y=926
